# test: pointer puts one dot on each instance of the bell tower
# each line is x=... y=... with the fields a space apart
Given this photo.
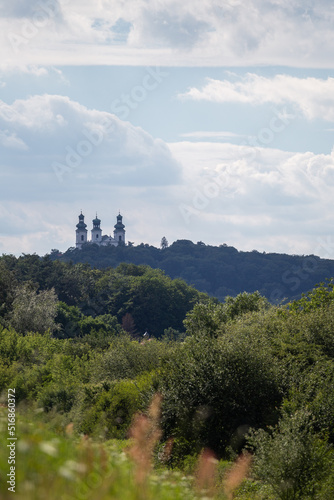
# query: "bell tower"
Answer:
x=96 y=231
x=119 y=231
x=81 y=232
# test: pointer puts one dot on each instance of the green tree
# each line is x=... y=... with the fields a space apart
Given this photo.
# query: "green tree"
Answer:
x=320 y=296
x=245 y=302
x=8 y=285
x=216 y=388
x=164 y=243
x=154 y=300
x=205 y=319
x=33 y=311
x=208 y=318
x=68 y=318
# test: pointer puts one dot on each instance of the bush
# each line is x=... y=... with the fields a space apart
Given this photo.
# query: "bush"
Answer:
x=291 y=458
x=57 y=397
x=128 y=359
x=106 y=410
x=214 y=389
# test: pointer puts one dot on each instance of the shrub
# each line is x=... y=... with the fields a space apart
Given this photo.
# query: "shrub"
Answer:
x=291 y=458
x=214 y=389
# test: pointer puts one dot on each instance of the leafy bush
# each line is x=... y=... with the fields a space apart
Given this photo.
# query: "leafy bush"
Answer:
x=291 y=458
x=126 y=358
x=214 y=388
x=314 y=391
x=106 y=410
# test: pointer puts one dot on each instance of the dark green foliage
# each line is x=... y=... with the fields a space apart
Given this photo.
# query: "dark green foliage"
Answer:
x=292 y=458
x=90 y=300
x=213 y=387
x=314 y=390
x=68 y=318
x=244 y=303
x=156 y=302
x=106 y=410
x=8 y=285
x=171 y=335
x=218 y=271
x=128 y=359
x=57 y=397
x=102 y=325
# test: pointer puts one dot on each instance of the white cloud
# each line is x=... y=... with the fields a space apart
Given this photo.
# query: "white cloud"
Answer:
x=196 y=33
x=10 y=140
x=64 y=140
x=58 y=156
x=255 y=198
x=171 y=24
x=10 y=69
x=23 y=9
x=206 y=134
x=243 y=173
x=247 y=197
x=313 y=96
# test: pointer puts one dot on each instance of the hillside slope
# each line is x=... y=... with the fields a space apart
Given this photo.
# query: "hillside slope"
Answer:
x=218 y=271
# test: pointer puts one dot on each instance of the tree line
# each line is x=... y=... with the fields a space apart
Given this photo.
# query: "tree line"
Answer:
x=217 y=270
x=71 y=300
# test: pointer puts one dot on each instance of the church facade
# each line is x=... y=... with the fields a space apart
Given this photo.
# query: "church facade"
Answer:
x=96 y=233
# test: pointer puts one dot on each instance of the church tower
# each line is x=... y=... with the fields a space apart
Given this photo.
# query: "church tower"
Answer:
x=119 y=231
x=96 y=231
x=81 y=232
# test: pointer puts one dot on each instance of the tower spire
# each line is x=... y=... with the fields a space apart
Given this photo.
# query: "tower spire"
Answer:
x=81 y=231
x=119 y=231
x=96 y=231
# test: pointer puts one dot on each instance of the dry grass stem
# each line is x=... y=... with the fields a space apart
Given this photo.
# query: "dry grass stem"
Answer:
x=145 y=433
x=236 y=474
x=206 y=471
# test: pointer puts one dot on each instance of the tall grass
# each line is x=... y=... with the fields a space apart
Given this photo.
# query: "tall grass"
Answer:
x=61 y=466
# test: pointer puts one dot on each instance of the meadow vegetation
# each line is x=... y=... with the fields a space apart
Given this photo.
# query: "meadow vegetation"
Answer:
x=219 y=400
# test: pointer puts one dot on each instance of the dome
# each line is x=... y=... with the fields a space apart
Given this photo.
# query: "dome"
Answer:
x=119 y=225
x=81 y=225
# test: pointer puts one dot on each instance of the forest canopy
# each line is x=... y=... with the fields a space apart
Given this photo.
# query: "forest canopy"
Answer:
x=217 y=270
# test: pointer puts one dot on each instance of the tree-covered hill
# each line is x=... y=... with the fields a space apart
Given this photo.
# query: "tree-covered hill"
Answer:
x=218 y=271
x=34 y=289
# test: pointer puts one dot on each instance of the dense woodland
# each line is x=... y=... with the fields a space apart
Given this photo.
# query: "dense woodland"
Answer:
x=218 y=271
x=241 y=377
x=136 y=297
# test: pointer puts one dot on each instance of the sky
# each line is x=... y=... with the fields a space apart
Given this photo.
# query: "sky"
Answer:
x=203 y=120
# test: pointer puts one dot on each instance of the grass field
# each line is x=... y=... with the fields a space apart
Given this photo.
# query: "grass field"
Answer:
x=60 y=466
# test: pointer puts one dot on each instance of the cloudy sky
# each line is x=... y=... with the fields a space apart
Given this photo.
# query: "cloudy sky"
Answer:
x=204 y=120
